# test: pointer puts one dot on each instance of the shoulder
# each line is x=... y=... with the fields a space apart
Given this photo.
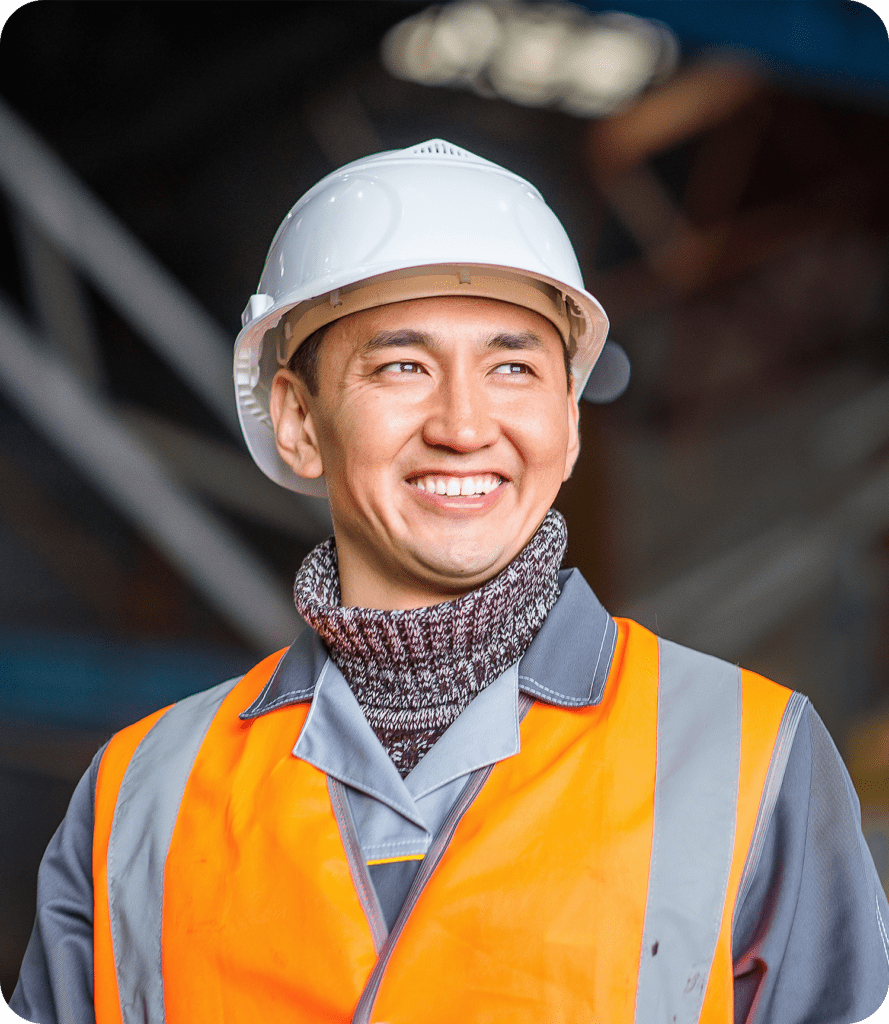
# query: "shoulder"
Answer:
x=682 y=666
x=188 y=712
x=143 y=753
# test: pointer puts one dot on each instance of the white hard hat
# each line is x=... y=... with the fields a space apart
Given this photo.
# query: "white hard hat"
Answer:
x=431 y=220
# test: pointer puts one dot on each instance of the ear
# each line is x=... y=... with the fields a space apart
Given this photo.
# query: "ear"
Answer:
x=573 y=431
x=295 y=431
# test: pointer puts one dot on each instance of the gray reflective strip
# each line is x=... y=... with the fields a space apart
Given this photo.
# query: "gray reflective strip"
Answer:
x=775 y=776
x=696 y=791
x=141 y=830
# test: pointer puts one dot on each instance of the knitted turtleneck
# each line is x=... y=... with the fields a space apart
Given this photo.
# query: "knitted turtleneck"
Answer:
x=413 y=671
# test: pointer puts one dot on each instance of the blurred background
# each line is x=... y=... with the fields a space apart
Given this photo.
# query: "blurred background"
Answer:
x=722 y=168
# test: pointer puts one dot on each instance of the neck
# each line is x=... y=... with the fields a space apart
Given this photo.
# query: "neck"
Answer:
x=362 y=586
x=366 y=582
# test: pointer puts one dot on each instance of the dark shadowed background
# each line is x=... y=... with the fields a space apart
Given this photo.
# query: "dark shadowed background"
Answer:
x=721 y=168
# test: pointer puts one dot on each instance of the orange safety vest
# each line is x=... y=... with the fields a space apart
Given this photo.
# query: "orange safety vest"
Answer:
x=224 y=890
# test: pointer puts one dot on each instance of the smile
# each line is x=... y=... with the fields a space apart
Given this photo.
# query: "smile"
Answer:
x=458 y=486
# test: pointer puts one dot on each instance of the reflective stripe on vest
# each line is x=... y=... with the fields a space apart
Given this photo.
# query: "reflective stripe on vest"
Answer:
x=698 y=763
x=136 y=854
x=649 y=781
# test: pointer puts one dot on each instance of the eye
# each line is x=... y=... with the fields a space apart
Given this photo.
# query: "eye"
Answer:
x=510 y=368
x=401 y=367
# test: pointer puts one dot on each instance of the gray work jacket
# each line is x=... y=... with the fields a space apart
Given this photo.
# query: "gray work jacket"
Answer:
x=809 y=940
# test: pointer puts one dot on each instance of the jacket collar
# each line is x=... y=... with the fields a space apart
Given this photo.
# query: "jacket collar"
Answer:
x=566 y=664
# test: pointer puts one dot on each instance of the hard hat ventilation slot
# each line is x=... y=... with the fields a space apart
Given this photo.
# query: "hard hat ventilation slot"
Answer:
x=438 y=147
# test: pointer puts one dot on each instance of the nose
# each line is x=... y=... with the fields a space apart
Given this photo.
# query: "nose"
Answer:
x=460 y=416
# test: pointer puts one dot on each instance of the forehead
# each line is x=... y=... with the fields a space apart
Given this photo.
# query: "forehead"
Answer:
x=446 y=321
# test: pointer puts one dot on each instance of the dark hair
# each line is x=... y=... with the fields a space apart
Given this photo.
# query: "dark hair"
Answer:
x=304 y=361
x=569 y=373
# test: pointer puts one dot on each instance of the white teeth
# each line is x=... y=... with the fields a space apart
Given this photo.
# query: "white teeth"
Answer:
x=458 y=486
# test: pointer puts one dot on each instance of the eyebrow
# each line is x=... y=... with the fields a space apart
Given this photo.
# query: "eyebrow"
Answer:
x=399 y=339
x=524 y=340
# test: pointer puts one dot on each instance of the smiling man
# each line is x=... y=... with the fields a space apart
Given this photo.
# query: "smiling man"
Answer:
x=466 y=793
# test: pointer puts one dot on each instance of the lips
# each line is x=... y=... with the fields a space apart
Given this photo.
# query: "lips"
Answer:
x=457 y=486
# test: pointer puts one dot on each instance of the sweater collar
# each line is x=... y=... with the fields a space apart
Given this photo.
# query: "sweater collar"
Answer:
x=567 y=663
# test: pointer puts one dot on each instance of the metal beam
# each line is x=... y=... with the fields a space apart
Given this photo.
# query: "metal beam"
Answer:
x=96 y=440
x=132 y=280
x=230 y=478
x=855 y=431
x=58 y=300
x=731 y=603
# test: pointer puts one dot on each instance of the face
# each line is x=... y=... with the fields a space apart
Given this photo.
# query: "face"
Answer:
x=444 y=428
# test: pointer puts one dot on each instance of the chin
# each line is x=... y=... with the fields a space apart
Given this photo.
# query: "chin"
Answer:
x=463 y=567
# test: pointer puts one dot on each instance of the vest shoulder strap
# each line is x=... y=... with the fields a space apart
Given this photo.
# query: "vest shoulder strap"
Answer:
x=145 y=811
x=154 y=783
x=698 y=761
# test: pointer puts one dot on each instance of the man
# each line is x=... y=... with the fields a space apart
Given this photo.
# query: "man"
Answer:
x=466 y=793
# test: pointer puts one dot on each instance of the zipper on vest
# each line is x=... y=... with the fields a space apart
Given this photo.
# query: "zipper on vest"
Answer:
x=436 y=851
x=430 y=861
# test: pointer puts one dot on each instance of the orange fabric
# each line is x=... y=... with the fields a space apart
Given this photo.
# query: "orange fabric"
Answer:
x=111 y=772
x=535 y=912
x=262 y=917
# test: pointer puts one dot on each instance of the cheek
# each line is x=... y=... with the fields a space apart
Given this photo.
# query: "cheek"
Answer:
x=543 y=439
x=360 y=440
